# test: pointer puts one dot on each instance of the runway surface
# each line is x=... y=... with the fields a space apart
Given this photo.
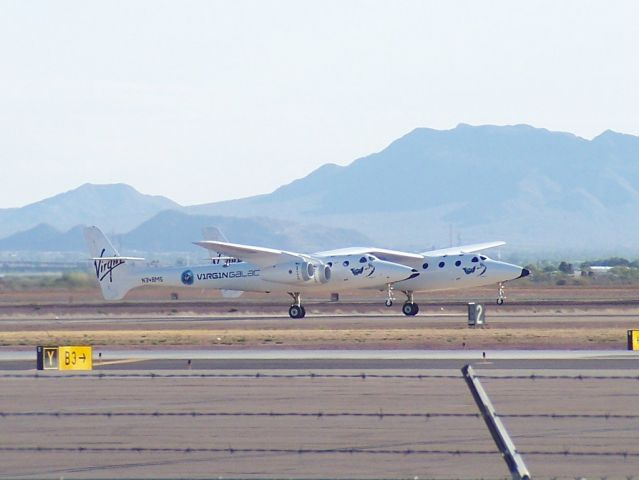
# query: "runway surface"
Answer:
x=223 y=359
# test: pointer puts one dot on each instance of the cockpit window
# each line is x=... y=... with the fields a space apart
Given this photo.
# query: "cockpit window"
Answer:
x=475 y=260
x=362 y=260
x=370 y=259
x=346 y=263
x=330 y=264
x=482 y=257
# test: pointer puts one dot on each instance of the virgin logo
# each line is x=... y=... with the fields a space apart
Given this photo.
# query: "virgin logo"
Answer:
x=104 y=268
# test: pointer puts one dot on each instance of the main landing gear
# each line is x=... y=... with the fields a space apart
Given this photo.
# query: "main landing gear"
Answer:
x=410 y=308
x=297 y=309
x=500 y=294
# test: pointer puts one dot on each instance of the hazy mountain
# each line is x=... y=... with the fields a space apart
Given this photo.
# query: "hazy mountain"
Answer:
x=116 y=207
x=173 y=231
x=539 y=190
x=44 y=238
x=545 y=193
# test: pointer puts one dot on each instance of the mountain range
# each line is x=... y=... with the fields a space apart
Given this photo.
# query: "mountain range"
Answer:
x=174 y=231
x=543 y=192
x=116 y=207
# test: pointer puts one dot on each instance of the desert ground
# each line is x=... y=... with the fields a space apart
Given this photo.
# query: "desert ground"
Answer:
x=573 y=317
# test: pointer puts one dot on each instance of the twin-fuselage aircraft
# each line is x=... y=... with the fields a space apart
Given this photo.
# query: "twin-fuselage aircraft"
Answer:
x=247 y=268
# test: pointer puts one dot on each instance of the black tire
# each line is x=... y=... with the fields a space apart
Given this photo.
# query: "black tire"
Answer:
x=388 y=303
x=410 y=309
x=500 y=301
x=303 y=312
x=295 y=312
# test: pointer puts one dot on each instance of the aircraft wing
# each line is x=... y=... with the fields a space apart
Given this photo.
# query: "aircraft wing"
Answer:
x=394 y=256
x=260 y=256
x=476 y=247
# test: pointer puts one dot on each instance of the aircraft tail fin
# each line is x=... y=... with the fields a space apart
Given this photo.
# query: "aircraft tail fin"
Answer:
x=112 y=271
x=213 y=233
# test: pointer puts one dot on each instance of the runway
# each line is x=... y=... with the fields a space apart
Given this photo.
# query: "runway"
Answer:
x=255 y=359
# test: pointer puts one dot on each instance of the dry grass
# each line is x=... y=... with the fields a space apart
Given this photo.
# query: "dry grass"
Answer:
x=318 y=338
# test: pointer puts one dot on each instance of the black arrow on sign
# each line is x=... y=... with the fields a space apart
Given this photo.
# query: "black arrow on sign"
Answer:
x=83 y=357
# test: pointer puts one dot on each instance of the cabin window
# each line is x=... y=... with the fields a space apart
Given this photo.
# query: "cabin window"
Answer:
x=457 y=263
x=475 y=260
x=441 y=264
x=346 y=263
x=362 y=260
x=425 y=266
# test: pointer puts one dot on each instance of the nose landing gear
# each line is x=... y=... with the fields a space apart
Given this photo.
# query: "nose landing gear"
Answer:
x=500 y=294
x=296 y=310
x=389 y=292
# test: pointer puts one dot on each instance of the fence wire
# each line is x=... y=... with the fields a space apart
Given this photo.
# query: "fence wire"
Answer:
x=232 y=450
x=195 y=375
x=313 y=451
x=556 y=377
x=320 y=415
x=310 y=375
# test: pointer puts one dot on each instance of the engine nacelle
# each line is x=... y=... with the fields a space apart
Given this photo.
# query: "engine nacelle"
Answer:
x=293 y=272
x=322 y=273
x=296 y=273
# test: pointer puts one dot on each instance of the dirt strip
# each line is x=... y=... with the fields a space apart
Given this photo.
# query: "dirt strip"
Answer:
x=576 y=337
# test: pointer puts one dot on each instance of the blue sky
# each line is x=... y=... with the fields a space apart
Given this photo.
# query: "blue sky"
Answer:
x=206 y=100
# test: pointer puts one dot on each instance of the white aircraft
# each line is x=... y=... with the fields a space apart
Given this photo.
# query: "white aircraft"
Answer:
x=259 y=270
x=445 y=269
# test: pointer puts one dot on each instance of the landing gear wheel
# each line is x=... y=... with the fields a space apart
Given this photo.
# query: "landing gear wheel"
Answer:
x=410 y=309
x=500 y=294
x=296 y=311
x=389 y=295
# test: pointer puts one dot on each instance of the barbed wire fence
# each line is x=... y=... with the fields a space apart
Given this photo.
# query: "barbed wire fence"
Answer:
x=316 y=415
x=309 y=375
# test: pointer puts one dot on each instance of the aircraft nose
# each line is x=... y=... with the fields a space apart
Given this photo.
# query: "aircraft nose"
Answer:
x=503 y=272
x=396 y=272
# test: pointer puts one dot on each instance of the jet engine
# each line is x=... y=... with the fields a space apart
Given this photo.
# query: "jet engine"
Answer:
x=322 y=273
x=297 y=273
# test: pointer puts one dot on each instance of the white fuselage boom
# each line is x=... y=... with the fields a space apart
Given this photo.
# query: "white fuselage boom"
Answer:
x=458 y=272
x=346 y=273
